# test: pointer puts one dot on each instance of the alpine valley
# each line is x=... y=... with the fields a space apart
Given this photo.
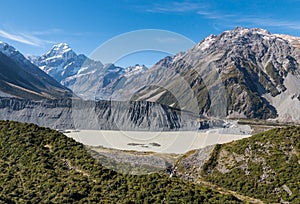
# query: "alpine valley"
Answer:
x=233 y=85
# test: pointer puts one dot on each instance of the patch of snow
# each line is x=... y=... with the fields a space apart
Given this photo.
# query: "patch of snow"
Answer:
x=83 y=69
x=44 y=68
x=207 y=42
x=261 y=31
x=55 y=57
x=243 y=31
x=77 y=76
x=172 y=105
x=266 y=37
x=134 y=70
x=287 y=37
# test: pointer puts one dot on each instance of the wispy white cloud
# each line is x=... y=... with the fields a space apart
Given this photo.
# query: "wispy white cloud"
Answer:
x=25 y=38
x=238 y=18
x=270 y=22
x=231 y=19
x=17 y=38
x=214 y=15
x=47 y=32
x=176 y=7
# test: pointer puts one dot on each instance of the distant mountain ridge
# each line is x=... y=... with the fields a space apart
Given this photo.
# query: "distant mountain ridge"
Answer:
x=86 y=77
x=22 y=79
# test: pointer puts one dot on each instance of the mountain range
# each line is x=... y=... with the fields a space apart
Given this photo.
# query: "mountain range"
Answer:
x=241 y=73
x=86 y=77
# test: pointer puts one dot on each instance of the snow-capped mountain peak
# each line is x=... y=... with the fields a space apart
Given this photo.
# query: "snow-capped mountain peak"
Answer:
x=83 y=75
x=59 y=62
x=61 y=47
x=240 y=32
x=60 y=50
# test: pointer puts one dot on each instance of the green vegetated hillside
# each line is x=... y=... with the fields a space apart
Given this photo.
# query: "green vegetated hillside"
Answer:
x=265 y=166
x=40 y=165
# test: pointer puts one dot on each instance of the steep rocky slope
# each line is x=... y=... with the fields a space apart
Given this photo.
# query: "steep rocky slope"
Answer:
x=79 y=114
x=20 y=78
x=239 y=73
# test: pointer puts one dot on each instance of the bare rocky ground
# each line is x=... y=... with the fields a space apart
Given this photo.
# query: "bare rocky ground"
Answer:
x=191 y=163
x=133 y=162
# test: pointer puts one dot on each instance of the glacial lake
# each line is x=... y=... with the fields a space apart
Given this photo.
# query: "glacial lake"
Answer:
x=164 y=142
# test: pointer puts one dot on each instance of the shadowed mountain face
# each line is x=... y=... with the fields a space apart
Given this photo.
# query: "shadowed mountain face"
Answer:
x=239 y=73
x=20 y=78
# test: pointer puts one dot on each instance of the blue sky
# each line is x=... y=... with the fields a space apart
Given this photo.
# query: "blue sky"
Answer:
x=34 y=26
